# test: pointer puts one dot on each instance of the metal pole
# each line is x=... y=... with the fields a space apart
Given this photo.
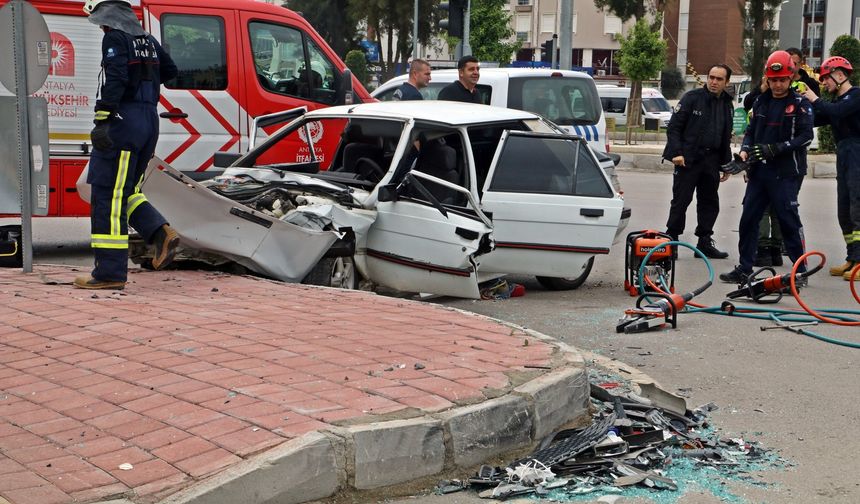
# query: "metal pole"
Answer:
x=23 y=134
x=467 y=48
x=566 y=38
x=811 y=31
x=554 y=55
x=415 y=32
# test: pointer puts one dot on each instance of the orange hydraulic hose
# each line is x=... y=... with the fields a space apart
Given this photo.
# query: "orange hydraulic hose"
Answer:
x=810 y=310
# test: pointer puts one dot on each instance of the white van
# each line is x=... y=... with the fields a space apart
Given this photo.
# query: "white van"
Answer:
x=614 y=100
x=567 y=98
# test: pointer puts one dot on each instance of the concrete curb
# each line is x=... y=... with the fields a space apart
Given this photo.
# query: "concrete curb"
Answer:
x=384 y=454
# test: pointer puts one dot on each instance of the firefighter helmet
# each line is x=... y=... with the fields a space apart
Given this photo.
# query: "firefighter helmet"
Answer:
x=779 y=64
x=832 y=63
x=90 y=5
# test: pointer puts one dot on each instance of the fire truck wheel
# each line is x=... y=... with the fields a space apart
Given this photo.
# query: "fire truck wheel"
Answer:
x=336 y=272
x=567 y=283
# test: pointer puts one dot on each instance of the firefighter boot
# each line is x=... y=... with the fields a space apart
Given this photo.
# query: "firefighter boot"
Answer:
x=89 y=282
x=847 y=274
x=709 y=248
x=166 y=240
x=763 y=257
x=842 y=269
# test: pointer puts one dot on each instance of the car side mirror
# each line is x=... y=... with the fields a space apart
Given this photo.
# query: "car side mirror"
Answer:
x=388 y=193
x=345 y=94
x=616 y=158
x=225 y=159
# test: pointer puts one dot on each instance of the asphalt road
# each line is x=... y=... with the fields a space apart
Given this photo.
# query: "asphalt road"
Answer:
x=792 y=393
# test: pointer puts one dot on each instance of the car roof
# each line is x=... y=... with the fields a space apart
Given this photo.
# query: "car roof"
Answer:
x=488 y=75
x=449 y=112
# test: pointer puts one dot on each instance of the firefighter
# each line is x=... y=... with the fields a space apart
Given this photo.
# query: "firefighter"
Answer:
x=126 y=130
x=843 y=115
x=775 y=143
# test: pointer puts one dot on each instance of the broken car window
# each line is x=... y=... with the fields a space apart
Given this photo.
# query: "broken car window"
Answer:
x=549 y=165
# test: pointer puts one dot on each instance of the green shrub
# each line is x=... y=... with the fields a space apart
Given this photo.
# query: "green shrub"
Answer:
x=357 y=62
x=672 y=83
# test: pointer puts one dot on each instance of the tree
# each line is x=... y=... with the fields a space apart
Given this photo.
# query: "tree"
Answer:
x=391 y=22
x=490 y=29
x=626 y=9
x=760 y=39
x=642 y=55
x=331 y=19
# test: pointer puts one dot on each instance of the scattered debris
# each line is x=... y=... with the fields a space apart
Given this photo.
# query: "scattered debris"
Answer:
x=418 y=365
x=126 y=467
x=501 y=289
x=642 y=440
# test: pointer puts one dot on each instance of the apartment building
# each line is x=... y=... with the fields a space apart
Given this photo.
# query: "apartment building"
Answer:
x=813 y=25
x=595 y=32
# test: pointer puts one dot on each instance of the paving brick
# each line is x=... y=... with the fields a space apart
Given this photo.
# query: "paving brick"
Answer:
x=114 y=419
x=111 y=461
x=159 y=438
x=24 y=479
x=207 y=463
x=92 y=410
x=248 y=441
x=183 y=449
x=135 y=428
x=29 y=454
x=47 y=494
x=114 y=490
x=59 y=465
x=219 y=427
x=81 y=480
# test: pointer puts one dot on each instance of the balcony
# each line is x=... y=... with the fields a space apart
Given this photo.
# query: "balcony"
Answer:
x=820 y=7
x=816 y=44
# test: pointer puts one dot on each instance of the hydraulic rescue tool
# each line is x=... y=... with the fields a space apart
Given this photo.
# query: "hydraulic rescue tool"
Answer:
x=656 y=314
x=770 y=289
x=661 y=261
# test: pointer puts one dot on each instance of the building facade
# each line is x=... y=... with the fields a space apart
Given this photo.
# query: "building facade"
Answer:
x=702 y=34
x=595 y=32
x=813 y=25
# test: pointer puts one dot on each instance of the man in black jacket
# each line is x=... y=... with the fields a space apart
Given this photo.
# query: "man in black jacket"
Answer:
x=698 y=142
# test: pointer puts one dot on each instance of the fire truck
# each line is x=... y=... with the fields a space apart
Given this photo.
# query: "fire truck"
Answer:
x=237 y=60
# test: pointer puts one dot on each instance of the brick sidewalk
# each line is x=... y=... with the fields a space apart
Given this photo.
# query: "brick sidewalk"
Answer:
x=185 y=374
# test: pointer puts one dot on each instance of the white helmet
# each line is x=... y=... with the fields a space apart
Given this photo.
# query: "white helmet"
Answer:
x=90 y=5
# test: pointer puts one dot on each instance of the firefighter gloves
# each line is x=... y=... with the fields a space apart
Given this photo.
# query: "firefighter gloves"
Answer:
x=765 y=152
x=100 y=135
x=735 y=166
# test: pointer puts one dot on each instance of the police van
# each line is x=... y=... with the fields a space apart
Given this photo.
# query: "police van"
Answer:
x=615 y=100
x=567 y=98
x=237 y=60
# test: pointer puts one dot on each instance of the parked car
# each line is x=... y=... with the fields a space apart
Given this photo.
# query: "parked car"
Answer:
x=430 y=197
x=615 y=101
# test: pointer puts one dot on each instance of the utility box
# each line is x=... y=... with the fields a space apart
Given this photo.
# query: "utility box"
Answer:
x=10 y=178
x=652 y=124
x=10 y=247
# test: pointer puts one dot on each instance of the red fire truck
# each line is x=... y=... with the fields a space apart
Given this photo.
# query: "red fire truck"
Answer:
x=237 y=60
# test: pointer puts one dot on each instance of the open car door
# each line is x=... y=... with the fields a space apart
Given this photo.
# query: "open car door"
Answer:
x=421 y=243
x=552 y=207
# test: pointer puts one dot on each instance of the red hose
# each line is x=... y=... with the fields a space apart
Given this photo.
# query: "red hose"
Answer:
x=809 y=310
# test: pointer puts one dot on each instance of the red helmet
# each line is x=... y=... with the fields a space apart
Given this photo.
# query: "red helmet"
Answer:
x=832 y=63
x=779 y=64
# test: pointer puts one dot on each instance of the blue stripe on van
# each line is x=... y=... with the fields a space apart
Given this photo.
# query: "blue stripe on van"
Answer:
x=587 y=133
x=596 y=132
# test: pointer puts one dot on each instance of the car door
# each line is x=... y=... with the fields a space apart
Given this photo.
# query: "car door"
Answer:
x=552 y=207
x=421 y=243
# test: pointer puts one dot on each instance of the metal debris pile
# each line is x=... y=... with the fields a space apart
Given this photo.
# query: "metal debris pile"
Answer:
x=645 y=440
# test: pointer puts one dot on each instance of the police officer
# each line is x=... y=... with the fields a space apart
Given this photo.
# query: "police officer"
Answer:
x=843 y=115
x=698 y=142
x=419 y=78
x=775 y=144
x=133 y=67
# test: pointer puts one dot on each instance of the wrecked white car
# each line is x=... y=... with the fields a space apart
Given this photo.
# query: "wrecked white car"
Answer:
x=430 y=197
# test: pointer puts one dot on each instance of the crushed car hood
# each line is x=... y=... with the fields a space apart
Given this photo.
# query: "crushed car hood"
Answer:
x=277 y=225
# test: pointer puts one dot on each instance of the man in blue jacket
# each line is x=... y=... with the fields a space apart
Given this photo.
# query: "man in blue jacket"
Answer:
x=843 y=115
x=133 y=67
x=698 y=143
x=775 y=143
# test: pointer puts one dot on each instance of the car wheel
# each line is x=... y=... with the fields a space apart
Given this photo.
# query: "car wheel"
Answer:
x=567 y=283
x=336 y=272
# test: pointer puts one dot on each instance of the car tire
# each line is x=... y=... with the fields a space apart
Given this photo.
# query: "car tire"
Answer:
x=338 y=272
x=567 y=283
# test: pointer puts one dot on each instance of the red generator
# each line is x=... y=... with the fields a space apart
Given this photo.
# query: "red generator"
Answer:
x=661 y=264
